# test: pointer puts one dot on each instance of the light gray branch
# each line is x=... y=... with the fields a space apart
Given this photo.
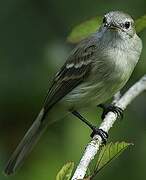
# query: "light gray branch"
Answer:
x=93 y=146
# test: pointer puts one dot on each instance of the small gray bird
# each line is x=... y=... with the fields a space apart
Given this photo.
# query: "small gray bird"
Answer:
x=96 y=69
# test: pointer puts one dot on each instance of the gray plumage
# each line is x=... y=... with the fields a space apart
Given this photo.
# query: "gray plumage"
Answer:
x=97 y=68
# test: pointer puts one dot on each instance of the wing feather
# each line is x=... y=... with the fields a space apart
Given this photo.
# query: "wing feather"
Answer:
x=73 y=72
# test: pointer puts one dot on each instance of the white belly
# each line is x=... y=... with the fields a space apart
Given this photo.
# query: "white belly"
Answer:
x=109 y=76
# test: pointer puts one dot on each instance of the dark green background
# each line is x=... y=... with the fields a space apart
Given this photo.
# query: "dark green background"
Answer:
x=32 y=47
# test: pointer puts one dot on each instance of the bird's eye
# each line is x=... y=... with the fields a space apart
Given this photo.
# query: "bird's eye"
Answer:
x=127 y=24
x=104 y=20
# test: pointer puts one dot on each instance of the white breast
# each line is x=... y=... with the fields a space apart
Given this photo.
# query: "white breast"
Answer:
x=112 y=69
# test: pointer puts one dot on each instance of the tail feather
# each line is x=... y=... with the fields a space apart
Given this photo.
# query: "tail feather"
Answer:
x=26 y=145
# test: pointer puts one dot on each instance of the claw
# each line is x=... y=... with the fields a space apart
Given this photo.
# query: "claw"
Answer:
x=101 y=133
x=112 y=108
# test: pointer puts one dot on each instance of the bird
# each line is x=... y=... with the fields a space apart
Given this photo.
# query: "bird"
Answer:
x=96 y=69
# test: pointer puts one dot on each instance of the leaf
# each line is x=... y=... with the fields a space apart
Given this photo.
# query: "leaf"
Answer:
x=88 y=173
x=109 y=152
x=65 y=172
x=140 y=24
x=83 y=30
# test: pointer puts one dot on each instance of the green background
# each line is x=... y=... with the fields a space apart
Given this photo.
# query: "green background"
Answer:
x=32 y=47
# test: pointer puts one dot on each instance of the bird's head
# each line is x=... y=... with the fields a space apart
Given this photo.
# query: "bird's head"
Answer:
x=118 y=23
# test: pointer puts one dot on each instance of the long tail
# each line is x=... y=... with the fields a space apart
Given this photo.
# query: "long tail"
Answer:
x=27 y=143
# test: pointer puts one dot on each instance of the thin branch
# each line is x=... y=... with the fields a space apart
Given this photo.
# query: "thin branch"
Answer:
x=93 y=146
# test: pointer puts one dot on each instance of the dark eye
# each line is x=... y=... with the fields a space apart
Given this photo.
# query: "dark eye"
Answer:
x=104 y=20
x=127 y=24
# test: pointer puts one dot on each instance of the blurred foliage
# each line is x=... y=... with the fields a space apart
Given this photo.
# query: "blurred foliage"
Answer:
x=32 y=47
x=65 y=172
x=141 y=24
x=83 y=30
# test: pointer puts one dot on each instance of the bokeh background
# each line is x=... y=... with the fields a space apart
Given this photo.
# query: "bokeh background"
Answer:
x=32 y=47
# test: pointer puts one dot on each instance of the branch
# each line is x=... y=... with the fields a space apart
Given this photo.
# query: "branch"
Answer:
x=93 y=146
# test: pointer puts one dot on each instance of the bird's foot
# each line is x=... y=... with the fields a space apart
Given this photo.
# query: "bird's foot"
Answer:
x=95 y=130
x=101 y=133
x=110 y=107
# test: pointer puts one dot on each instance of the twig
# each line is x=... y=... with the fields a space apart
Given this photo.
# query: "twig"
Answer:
x=93 y=146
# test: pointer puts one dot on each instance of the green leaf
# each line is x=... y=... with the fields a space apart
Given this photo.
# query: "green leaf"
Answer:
x=140 y=24
x=109 y=152
x=65 y=172
x=83 y=30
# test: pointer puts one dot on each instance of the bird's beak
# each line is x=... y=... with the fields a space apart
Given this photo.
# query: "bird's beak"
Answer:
x=113 y=28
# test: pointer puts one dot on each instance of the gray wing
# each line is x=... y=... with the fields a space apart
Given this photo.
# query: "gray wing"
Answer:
x=76 y=69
